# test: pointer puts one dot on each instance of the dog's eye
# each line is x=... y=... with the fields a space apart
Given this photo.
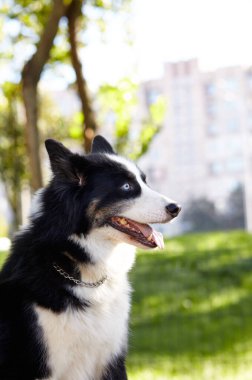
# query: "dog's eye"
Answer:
x=126 y=186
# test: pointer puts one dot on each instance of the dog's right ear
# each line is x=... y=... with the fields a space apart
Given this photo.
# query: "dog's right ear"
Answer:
x=59 y=157
x=101 y=145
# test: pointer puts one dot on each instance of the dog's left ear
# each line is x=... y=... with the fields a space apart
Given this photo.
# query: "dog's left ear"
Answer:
x=61 y=160
x=101 y=145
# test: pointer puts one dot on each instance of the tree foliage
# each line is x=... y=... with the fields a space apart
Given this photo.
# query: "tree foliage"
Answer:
x=36 y=24
x=118 y=107
x=38 y=37
x=202 y=214
x=12 y=148
x=14 y=165
x=235 y=210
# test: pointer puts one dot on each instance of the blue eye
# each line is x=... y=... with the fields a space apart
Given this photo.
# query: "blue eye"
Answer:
x=126 y=186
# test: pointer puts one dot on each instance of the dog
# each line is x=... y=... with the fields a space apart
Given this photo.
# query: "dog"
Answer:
x=64 y=292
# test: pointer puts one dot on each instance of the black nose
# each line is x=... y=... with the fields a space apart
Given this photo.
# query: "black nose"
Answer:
x=173 y=209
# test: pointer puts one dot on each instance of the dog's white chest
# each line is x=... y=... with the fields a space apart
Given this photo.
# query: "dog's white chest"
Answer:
x=82 y=343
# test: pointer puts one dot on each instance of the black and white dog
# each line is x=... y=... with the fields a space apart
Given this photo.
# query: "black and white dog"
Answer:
x=64 y=292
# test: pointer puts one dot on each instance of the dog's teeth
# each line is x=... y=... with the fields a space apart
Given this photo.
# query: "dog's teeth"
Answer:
x=149 y=237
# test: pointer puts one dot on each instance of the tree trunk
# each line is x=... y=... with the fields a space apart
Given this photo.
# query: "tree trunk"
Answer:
x=89 y=122
x=32 y=133
x=30 y=78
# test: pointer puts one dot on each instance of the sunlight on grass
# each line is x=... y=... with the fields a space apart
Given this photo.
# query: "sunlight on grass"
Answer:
x=221 y=300
x=3 y=256
x=193 y=370
x=192 y=303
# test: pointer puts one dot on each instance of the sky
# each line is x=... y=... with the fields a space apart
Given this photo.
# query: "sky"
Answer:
x=217 y=32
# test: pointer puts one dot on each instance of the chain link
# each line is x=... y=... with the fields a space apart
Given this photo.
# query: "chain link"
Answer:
x=79 y=282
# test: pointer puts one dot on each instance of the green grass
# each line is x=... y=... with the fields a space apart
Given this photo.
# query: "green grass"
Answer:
x=192 y=310
x=3 y=256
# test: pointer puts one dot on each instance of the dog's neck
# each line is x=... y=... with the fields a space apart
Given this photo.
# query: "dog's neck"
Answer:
x=108 y=257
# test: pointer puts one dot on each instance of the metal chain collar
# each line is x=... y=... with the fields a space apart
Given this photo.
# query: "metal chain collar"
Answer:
x=79 y=282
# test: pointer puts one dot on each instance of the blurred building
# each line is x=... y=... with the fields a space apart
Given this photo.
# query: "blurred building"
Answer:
x=204 y=149
x=205 y=146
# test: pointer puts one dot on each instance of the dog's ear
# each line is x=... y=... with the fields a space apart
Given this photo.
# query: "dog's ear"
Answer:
x=101 y=145
x=61 y=160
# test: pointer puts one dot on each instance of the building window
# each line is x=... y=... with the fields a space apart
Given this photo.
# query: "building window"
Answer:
x=215 y=168
x=230 y=106
x=235 y=164
x=210 y=89
x=233 y=125
x=235 y=146
x=211 y=110
x=212 y=128
x=216 y=146
x=231 y=84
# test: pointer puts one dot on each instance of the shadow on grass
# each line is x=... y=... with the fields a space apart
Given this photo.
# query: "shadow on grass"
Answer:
x=194 y=301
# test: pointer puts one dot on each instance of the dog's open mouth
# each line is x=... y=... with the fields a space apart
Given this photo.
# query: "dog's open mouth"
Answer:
x=142 y=233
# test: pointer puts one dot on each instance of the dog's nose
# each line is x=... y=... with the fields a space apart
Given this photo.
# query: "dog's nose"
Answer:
x=173 y=209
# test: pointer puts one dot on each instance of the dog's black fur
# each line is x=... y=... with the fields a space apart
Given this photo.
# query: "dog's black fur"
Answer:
x=28 y=277
x=84 y=193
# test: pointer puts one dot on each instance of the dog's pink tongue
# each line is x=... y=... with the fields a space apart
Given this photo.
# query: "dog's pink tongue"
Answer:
x=144 y=228
x=147 y=231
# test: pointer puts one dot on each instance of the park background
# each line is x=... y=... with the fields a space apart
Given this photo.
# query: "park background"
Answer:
x=169 y=83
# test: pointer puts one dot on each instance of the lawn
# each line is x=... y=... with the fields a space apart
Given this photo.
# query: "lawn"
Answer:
x=2 y=257
x=192 y=310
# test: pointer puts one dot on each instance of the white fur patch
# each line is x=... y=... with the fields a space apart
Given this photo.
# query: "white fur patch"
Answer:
x=107 y=250
x=82 y=343
x=36 y=205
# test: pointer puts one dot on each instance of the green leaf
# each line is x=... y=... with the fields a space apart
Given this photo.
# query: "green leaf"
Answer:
x=157 y=110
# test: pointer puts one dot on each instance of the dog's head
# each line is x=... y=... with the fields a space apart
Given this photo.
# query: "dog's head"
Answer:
x=104 y=191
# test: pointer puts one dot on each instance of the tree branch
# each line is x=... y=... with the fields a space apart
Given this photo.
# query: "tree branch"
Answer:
x=33 y=68
x=30 y=77
x=90 y=125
